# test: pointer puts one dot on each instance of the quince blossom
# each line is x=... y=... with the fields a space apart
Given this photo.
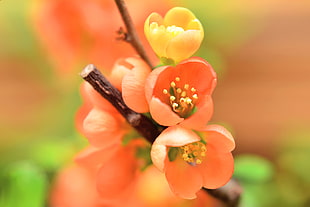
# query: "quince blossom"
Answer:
x=175 y=37
x=191 y=162
x=98 y=120
x=115 y=168
x=181 y=94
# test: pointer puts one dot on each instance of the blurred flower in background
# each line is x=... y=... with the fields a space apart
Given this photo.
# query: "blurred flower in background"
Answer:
x=259 y=49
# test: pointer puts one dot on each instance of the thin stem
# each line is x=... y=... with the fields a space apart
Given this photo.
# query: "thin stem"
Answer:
x=228 y=194
x=132 y=35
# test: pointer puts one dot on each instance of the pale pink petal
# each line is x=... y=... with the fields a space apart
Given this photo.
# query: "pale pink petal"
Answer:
x=216 y=169
x=177 y=136
x=184 y=180
x=151 y=81
x=102 y=128
x=133 y=85
x=120 y=69
x=219 y=138
x=158 y=155
x=163 y=114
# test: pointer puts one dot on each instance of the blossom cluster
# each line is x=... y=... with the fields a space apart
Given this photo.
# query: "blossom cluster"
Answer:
x=177 y=96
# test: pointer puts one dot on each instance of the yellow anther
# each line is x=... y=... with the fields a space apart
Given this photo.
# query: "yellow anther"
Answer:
x=174 y=106
x=174 y=30
x=182 y=97
x=194 y=152
x=188 y=101
x=183 y=94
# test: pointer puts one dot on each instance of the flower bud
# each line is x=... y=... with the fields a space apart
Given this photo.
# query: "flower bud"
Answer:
x=175 y=37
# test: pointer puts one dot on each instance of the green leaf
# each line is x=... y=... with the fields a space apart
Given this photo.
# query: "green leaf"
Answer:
x=23 y=185
x=252 y=168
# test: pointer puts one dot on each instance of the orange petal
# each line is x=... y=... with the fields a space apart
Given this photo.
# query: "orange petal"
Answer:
x=216 y=168
x=199 y=73
x=219 y=138
x=179 y=48
x=184 y=180
x=163 y=114
x=71 y=183
x=101 y=128
x=133 y=85
x=81 y=115
x=159 y=155
x=201 y=117
x=117 y=174
x=92 y=157
x=151 y=81
x=179 y=17
x=120 y=69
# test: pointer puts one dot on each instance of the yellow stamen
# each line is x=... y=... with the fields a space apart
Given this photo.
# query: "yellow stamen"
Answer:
x=194 y=153
x=182 y=97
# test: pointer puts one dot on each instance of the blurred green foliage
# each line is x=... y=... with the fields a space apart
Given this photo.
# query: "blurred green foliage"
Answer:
x=23 y=184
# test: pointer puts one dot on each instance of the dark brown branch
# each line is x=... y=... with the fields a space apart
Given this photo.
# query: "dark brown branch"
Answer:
x=132 y=35
x=229 y=194
x=140 y=122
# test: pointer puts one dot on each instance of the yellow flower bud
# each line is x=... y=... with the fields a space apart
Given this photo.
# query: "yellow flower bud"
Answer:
x=177 y=36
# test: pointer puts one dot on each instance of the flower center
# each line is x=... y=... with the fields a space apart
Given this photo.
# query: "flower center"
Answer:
x=173 y=30
x=194 y=153
x=182 y=98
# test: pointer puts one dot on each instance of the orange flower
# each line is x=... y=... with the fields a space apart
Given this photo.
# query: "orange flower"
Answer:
x=181 y=94
x=115 y=168
x=77 y=32
x=129 y=76
x=177 y=36
x=191 y=162
x=98 y=120
x=152 y=190
x=74 y=186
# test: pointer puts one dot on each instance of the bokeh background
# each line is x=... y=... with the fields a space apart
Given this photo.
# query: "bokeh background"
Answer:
x=260 y=50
